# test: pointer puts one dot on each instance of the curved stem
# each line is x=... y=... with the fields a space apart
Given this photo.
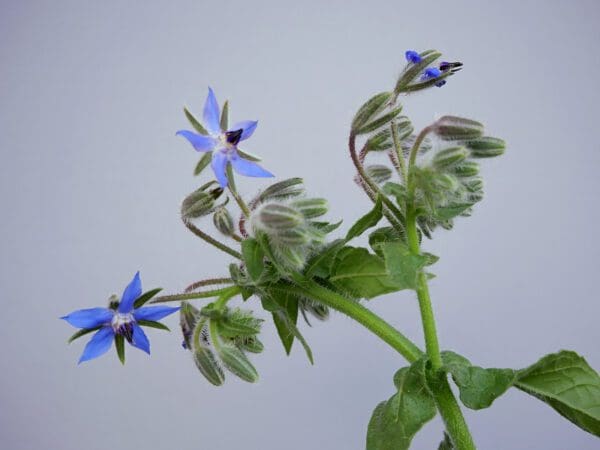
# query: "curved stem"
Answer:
x=202 y=235
x=356 y=311
x=233 y=190
x=394 y=215
x=208 y=282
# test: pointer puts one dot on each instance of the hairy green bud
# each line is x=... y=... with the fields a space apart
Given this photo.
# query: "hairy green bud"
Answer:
x=379 y=173
x=311 y=208
x=208 y=365
x=370 y=109
x=486 y=147
x=237 y=363
x=223 y=221
x=457 y=128
x=450 y=157
x=277 y=217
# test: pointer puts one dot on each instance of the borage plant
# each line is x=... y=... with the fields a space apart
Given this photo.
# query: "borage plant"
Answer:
x=283 y=257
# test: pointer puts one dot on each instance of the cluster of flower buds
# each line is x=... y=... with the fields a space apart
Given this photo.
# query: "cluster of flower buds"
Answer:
x=219 y=338
x=201 y=202
x=287 y=218
x=421 y=73
x=448 y=182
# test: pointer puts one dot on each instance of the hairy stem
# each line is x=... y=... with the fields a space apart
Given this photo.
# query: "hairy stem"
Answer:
x=356 y=311
x=206 y=237
x=191 y=295
x=207 y=282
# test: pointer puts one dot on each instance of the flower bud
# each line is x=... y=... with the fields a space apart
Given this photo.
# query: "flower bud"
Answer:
x=209 y=366
x=291 y=187
x=295 y=237
x=486 y=147
x=223 y=221
x=237 y=363
x=188 y=318
x=379 y=173
x=370 y=109
x=450 y=157
x=197 y=204
x=311 y=207
x=414 y=70
x=250 y=344
x=466 y=169
x=379 y=142
x=279 y=217
x=379 y=121
x=457 y=128
x=405 y=128
x=474 y=185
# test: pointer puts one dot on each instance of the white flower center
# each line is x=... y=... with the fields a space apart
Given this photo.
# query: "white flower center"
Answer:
x=121 y=320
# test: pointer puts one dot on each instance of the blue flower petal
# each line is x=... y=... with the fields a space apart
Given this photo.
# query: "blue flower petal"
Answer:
x=89 y=318
x=131 y=293
x=247 y=125
x=211 y=113
x=412 y=56
x=139 y=339
x=199 y=142
x=154 y=312
x=219 y=165
x=249 y=168
x=432 y=72
x=98 y=344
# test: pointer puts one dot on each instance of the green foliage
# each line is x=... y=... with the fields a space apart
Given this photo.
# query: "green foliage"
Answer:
x=203 y=162
x=567 y=383
x=367 y=221
x=478 y=387
x=254 y=258
x=370 y=109
x=395 y=422
x=154 y=324
x=145 y=297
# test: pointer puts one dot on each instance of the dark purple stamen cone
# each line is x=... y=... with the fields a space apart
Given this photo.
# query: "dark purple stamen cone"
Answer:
x=127 y=331
x=445 y=66
x=233 y=137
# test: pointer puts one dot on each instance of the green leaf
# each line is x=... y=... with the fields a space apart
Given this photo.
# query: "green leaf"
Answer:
x=450 y=212
x=154 y=324
x=320 y=264
x=142 y=299
x=395 y=422
x=225 y=116
x=203 y=163
x=402 y=265
x=285 y=315
x=381 y=235
x=361 y=274
x=478 y=387
x=194 y=122
x=371 y=108
x=367 y=221
x=254 y=258
x=120 y=347
x=568 y=384
x=239 y=323
x=380 y=121
x=80 y=333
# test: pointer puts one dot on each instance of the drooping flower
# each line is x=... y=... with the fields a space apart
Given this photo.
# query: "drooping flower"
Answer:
x=431 y=73
x=223 y=143
x=122 y=320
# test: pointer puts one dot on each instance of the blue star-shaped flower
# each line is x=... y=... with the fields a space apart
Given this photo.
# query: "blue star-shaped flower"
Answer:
x=223 y=143
x=120 y=321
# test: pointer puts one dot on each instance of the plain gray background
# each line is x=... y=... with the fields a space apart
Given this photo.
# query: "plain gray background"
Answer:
x=92 y=176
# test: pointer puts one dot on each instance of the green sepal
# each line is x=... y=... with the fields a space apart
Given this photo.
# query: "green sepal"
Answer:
x=369 y=109
x=224 y=122
x=154 y=324
x=396 y=421
x=239 y=323
x=567 y=383
x=478 y=387
x=292 y=187
x=204 y=161
x=380 y=121
x=248 y=156
x=120 y=347
x=254 y=258
x=446 y=444
x=145 y=297
x=209 y=366
x=81 y=332
x=367 y=221
x=194 y=122
x=237 y=363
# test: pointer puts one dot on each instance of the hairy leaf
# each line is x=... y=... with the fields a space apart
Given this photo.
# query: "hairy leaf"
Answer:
x=395 y=422
x=367 y=221
x=568 y=384
x=401 y=264
x=478 y=387
x=253 y=256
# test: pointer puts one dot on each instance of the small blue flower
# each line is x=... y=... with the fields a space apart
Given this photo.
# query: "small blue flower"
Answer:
x=412 y=56
x=223 y=143
x=123 y=320
x=431 y=73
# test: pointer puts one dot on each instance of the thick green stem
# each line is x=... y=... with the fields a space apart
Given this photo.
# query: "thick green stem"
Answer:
x=446 y=402
x=362 y=315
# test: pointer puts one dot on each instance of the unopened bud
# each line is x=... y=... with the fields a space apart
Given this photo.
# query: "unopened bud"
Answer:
x=379 y=142
x=458 y=128
x=379 y=121
x=379 y=173
x=311 y=207
x=370 y=109
x=237 y=363
x=474 y=185
x=449 y=157
x=208 y=365
x=223 y=221
x=486 y=147
x=197 y=204
x=295 y=237
x=466 y=169
x=188 y=317
x=278 y=217
x=405 y=128
x=251 y=344
x=291 y=187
